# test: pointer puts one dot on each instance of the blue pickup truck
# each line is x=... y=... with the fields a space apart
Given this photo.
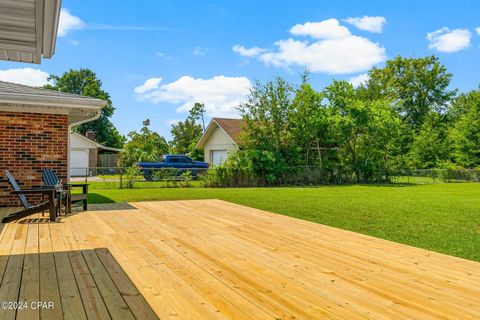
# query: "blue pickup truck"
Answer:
x=174 y=165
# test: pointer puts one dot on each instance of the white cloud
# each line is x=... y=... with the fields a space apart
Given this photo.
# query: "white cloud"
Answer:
x=333 y=56
x=150 y=84
x=326 y=29
x=74 y=43
x=368 y=23
x=199 y=51
x=26 y=76
x=335 y=50
x=68 y=22
x=446 y=40
x=478 y=31
x=247 y=52
x=359 y=80
x=220 y=94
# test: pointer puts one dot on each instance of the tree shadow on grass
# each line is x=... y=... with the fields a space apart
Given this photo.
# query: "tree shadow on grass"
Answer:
x=99 y=198
x=392 y=185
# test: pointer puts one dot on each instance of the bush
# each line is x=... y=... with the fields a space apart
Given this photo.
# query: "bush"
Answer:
x=130 y=177
x=236 y=171
x=186 y=181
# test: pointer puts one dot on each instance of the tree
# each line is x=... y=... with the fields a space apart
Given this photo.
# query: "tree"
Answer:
x=267 y=136
x=267 y=112
x=464 y=137
x=85 y=82
x=197 y=113
x=430 y=146
x=308 y=124
x=415 y=86
x=145 y=145
x=364 y=130
x=185 y=135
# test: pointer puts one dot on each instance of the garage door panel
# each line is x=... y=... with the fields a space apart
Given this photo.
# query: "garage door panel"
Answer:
x=219 y=156
x=79 y=162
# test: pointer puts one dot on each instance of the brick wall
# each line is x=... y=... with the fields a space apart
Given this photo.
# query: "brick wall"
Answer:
x=30 y=142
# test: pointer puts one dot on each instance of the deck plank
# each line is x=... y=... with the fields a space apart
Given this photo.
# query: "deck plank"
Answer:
x=116 y=305
x=92 y=300
x=30 y=287
x=49 y=291
x=72 y=306
x=11 y=282
x=136 y=302
x=210 y=259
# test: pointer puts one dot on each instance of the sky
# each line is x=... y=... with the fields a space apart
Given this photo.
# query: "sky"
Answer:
x=157 y=58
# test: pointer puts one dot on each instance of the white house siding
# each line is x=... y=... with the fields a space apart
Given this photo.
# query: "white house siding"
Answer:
x=218 y=141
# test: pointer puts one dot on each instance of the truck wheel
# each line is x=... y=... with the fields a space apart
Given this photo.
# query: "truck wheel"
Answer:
x=148 y=175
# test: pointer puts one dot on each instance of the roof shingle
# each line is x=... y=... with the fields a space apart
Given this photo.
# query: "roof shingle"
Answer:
x=233 y=127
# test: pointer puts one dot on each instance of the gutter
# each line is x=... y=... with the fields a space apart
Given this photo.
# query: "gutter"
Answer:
x=57 y=101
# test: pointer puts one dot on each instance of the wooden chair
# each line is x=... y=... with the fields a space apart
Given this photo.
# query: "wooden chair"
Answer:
x=50 y=179
x=29 y=209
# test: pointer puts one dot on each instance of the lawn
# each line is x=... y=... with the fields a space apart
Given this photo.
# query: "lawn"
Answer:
x=442 y=217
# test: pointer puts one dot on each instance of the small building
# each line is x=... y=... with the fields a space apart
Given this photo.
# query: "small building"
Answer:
x=86 y=155
x=221 y=137
x=34 y=133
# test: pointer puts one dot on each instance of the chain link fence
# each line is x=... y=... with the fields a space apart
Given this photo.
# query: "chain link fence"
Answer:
x=119 y=177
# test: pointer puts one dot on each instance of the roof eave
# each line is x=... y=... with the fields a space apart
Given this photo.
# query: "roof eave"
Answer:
x=60 y=102
x=50 y=27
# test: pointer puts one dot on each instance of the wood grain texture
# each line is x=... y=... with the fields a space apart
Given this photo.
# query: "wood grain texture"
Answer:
x=210 y=259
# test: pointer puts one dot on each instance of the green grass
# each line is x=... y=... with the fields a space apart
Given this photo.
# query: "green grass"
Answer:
x=441 y=217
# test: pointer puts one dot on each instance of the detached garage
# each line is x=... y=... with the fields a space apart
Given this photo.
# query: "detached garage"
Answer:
x=86 y=155
x=221 y=137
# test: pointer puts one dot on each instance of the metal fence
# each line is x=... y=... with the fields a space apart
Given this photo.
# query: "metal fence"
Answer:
x=119 y=177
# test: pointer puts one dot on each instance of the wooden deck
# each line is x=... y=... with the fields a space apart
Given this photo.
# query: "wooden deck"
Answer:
x=210 y=259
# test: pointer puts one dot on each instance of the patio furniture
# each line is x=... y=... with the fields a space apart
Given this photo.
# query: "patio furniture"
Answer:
x=29 y=209
x=51 y=179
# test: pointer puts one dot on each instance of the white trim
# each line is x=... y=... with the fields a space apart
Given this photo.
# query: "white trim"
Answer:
x=68 y=152
x=32 y=109
x=199 y=143
x=231 y=139
x=52 y=101
x=94 y=117
x=51 y=18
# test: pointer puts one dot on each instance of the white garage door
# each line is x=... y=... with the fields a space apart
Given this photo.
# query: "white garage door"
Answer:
x=78 y=162
x=218 y=156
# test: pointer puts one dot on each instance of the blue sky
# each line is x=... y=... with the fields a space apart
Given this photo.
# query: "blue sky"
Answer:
x=157 y=57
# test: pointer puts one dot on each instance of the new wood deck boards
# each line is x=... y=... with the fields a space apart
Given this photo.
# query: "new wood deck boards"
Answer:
x=36 y=265
x=210 y=259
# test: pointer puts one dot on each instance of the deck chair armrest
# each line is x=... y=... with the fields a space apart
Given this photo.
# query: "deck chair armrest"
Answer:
x=72 y=185
x=39 y=190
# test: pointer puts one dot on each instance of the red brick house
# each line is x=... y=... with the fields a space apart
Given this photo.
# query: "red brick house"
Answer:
x=34 y=133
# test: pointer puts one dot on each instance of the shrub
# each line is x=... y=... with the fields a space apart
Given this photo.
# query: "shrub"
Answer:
x=186 y=181
x=130 y=177
x=236 y=171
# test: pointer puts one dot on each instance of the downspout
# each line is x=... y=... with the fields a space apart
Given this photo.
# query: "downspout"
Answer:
x=70 y=128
